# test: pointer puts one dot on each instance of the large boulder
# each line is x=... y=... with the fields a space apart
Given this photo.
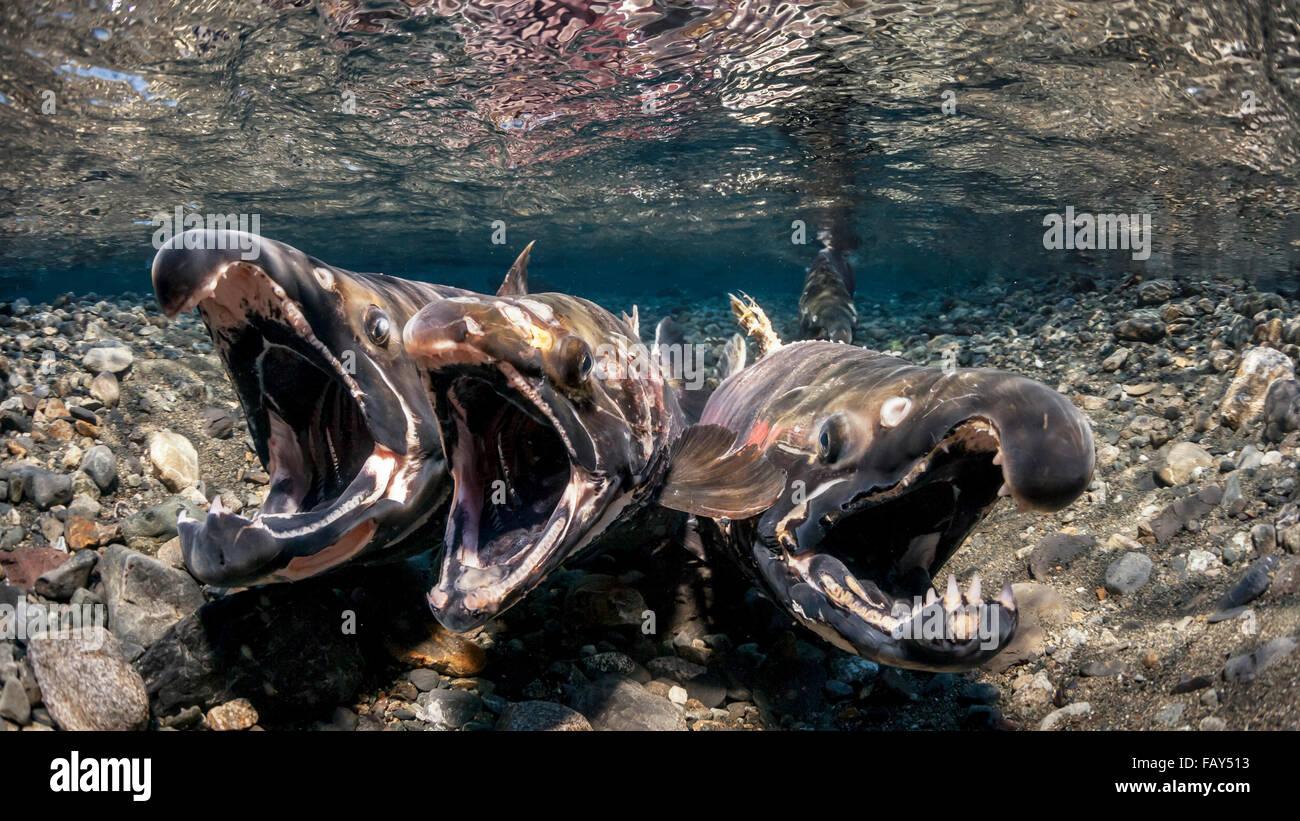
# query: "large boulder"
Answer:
x=1246 y=394
x=144 y=596
x=86 y=682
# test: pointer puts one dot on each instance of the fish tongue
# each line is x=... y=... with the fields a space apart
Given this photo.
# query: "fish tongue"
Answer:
x=287 y=467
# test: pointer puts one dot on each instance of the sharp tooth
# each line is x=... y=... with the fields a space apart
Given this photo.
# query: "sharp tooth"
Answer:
x=973 y=593
x=997 y=459
x=952 y=596
x=1006 y=598
x=1005 y=490
x=216 y=508
x=931 y=596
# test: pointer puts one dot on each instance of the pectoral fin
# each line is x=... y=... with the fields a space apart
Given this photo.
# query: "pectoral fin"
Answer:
x=708 y=478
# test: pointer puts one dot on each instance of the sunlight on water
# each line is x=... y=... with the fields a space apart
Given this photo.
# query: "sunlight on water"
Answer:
x=673 y=144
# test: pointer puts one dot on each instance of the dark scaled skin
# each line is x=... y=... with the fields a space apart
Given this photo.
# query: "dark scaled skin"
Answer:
x=335 y=407
x=826 y=308
x=888 y=466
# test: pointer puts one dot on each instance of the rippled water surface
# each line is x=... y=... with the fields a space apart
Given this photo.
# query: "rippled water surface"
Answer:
x=671 y=144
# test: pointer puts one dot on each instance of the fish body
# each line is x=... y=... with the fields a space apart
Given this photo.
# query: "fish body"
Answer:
x=887 y=467
x=826 y=309
x=336 y=410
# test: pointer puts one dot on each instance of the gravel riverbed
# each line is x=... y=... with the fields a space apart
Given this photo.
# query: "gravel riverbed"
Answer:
x=1167 y=597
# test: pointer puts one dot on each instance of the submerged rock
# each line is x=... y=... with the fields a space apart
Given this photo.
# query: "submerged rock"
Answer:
x=159 y=521
x=1140 y=327
x=1281 y=409
x=111 y=358
x=280 y=647
x=1245 y=396
x=616 y=703
x=100 y=465
x=533 y=716
x=60 y=583
x=174 y=460
x=1246 y=668
x=1057 y=550
x=144 y=596
x=86 y=682
x=1128 y=573
x=104 y=387
x=1184 y=462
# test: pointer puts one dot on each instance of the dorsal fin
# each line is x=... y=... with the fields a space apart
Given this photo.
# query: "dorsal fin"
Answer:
x=516 y=283
x=635 y=321
x=754 y=322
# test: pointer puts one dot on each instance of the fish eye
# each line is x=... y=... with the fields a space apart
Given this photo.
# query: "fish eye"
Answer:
x=576 y=361
x=831 y=439
x=378 y=325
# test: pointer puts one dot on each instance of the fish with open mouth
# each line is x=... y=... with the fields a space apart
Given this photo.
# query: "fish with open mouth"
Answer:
x=888 y=466
x=557 y=424
x=336 y=409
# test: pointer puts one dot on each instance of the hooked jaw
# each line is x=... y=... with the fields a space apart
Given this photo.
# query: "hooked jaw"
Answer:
x=332 y=474
x=856 y=566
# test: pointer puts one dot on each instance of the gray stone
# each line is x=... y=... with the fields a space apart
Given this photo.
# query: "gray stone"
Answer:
x=1184 y=462
x=86 y=682
x=111 y=358
x=1128 y=573
x=533 y=716
x=423 y=679
x=1170 y=714
x=602 y=601
x=853 y=669
x=615 y=703
x=159 y=521
x=1057 y=550
x=1157 y=291
x=278 y=646
x=674 y=668
x=45 y=488
x=1252 y=583
x=1054 y=718
x=144 y=596
x=60 y=583
x=217 y=423
x=448 y=709
x=1246 y=668
x=14 y=704
x=100 y=465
